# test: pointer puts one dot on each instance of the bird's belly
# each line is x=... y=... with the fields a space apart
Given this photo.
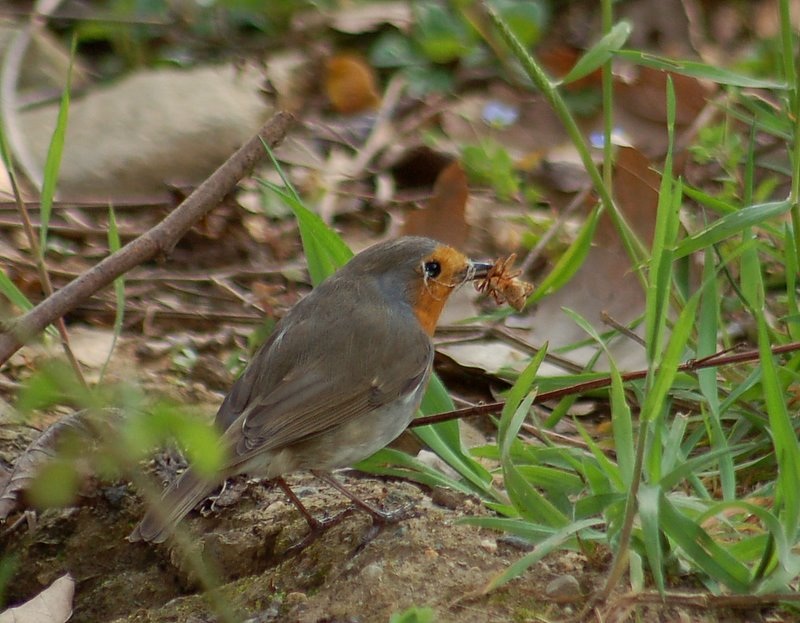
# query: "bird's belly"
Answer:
x=348 y=443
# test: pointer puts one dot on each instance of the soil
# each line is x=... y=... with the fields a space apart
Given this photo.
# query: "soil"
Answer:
x=249 y=544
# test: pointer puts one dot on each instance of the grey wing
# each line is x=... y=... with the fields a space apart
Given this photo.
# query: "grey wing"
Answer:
x=324 y=394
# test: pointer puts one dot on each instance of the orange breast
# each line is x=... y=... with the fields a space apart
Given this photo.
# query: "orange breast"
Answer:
x=432 y=293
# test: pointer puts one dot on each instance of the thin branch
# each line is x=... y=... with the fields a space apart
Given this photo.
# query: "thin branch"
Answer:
x=159 y=240
x=44 y=274
x=705 y=600
x=712 y=361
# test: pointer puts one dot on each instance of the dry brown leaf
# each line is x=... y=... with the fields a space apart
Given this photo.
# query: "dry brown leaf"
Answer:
x=356 y=19
x=443 y=218
x=52 y=605
x=606 y=282
x=85 y=425
x=350 y=84
x=646 y=95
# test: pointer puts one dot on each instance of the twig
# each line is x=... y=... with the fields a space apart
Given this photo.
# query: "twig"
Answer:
x=159 y=240
x=712 y=361
x=615 y=324
x=44 y=273
x=78 y=230
x=705 y=600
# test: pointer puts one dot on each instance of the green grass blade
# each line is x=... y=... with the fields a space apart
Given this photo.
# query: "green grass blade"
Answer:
x=730 y=225
x=599 y=53
x=659 y=281
x=649 y=499
x=679 y=471
x=665 y=375
x=391 y=462
x=541 y=550
x=622 y=425
x=52 y=163
x=711 y=558
x=707 y=377
x=526 y=499
x=10 y=290
x=512 y=417
x=790 y=260
x=324 y=249
x=569 y=263
x=784 y=438
x=698 y=70
x=522 y=528
x=445 y=440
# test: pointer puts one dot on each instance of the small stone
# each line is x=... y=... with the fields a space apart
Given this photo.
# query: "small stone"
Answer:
x=373 y=571
x=447 y=498
x=295 y=598
x=489 y=545
x=564 y=588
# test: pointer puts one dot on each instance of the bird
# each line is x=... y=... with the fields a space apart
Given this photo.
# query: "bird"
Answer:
x=340 y=377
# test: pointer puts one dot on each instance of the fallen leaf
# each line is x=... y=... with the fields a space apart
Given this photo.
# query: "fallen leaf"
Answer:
x=350 y=84
x=640 y=105
x=52 y=605
x=356 y=19
x=84 y=425
x=91 y=346
x=443 y=217
x=605 y=283
x=646 y=95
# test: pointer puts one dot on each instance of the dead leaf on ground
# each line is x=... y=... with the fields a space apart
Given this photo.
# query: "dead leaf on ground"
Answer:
x=52 y=605
x=351 y=85
x=605 y=282
x=640 y=101
x=360 y=18
x=83 y=425
x=91 y=345
x=443 y=216
x=661 y=24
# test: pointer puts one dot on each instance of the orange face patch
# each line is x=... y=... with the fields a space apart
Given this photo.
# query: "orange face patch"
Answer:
x=440 y=273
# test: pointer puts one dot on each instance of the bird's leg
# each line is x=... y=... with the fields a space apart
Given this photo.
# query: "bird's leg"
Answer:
x=316 y=527
x=313 y=523
x=380 y=518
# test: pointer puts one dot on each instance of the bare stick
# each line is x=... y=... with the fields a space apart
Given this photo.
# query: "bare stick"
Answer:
x=721 y=358
x=157 y=241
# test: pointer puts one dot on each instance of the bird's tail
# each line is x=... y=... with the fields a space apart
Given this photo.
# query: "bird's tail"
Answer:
x=178 y=499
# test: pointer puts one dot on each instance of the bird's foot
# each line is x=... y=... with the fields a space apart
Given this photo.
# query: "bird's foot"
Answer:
x=316 y=528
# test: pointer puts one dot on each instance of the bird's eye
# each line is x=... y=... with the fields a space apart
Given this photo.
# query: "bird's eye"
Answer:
x=432 y=269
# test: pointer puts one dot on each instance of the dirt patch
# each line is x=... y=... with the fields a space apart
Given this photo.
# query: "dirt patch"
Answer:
x=427 y=559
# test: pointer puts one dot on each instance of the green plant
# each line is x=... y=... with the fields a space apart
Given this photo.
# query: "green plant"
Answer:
x=489 y=163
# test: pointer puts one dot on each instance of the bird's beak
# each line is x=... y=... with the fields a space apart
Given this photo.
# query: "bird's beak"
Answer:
x=478 y=270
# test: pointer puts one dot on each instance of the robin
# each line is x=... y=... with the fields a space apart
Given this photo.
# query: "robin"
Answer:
x=341 y=376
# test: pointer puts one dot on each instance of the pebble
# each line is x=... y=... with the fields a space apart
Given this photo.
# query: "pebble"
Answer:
x=373 y=571
x=564 y=588
x=295 y=598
